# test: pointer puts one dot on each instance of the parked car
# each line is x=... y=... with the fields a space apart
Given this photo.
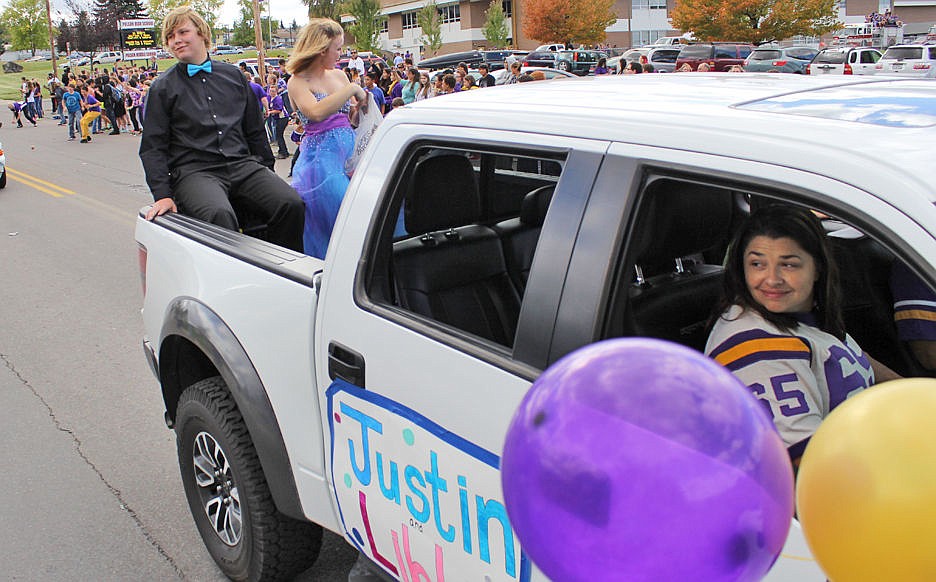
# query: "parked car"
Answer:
x=616 y=64
x=671 y=40
x=501 y=76
x=493 y=59
x=908 y=60
x=556 y=46
x=546 y=59
x=791 y=59
x=663 y=58
x=107 y=57
x=226 y=49
x=580 y=62
x=449 y=61
x=82 y=61
x=844 y=61
x=720 y=56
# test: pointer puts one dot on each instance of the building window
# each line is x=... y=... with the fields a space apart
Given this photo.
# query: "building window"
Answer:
x=450 y=13
x=507 y=5
x=645 y=37
x=649 y=5
x=383 y=24
x=410 y=20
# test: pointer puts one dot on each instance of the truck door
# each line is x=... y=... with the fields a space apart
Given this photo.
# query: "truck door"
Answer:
x=430 y=347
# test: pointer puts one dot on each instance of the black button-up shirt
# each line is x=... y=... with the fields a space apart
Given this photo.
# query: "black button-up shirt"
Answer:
x=207 y=120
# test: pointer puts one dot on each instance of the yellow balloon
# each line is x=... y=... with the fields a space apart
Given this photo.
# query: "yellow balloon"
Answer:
x=866 y=489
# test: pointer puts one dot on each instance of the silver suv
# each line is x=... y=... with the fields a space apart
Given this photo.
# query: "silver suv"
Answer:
x=844 y=61
x=909 y=60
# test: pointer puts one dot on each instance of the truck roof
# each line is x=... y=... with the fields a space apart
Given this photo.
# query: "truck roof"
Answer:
x=878 y=130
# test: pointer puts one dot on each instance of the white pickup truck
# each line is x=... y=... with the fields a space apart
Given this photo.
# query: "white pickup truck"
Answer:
x=369 y=393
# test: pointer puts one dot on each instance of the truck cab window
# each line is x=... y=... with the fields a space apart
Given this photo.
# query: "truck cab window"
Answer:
x=670 y=275
x=461 y=250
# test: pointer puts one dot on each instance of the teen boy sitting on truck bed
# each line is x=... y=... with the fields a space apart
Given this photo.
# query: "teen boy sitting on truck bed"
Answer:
x=204 y=145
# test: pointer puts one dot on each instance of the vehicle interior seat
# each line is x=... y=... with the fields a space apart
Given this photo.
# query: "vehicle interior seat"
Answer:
x=454 y=271
x=519 y=235
x=868 y=303
x=678 y=223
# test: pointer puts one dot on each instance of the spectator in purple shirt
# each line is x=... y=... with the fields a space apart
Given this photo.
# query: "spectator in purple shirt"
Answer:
x=16 y=107
x=280 y=120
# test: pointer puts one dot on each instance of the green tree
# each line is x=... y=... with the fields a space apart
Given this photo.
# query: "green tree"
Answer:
x=25 y=22
x=244 y=34
x=431 y=25
x=495 y=25
x=324 y=8
x=755 y=21
x=209 y=10
x=367 y=24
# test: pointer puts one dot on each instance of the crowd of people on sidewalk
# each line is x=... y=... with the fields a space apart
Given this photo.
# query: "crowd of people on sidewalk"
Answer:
x=95 y=101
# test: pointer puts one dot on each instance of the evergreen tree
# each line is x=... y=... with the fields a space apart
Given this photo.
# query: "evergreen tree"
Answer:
x=104 y=24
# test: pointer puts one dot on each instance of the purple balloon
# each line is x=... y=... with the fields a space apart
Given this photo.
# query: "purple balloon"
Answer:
x=640 y=459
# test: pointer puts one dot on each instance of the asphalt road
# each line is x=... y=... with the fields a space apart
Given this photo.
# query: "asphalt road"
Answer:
x=89 y=475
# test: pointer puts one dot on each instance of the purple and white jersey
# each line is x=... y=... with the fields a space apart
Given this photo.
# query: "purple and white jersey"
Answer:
x=914 y=305
x=798 y=377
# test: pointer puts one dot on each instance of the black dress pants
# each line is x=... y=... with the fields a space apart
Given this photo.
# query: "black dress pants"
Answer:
x=211 y=193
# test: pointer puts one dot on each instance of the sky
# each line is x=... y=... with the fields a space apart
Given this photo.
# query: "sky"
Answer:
x=285 y=10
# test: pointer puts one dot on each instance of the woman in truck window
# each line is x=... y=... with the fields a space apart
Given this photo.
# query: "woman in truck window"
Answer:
x=322 y=94
x=780 y=327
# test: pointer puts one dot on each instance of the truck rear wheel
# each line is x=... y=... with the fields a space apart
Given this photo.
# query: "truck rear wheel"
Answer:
x=228 y=494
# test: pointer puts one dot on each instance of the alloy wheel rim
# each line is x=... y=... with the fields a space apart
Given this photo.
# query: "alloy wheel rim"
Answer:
x=217 y=490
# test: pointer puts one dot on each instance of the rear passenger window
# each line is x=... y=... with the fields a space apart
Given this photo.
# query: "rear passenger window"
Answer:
x=460 y=252
x=725 y=52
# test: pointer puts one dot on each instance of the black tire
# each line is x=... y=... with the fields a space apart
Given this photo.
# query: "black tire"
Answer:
x=565 y=66
x=3 y=179
x=267 y=545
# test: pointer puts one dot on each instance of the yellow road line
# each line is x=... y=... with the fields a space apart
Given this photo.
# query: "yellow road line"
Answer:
x=57 y=191
x=25 y=176
x=36 y=186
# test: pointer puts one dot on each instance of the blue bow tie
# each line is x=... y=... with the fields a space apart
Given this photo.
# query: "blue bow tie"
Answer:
x=206 y=67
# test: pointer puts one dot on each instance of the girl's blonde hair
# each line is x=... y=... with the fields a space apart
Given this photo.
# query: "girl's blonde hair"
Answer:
x=313 y=40
x=179 y=15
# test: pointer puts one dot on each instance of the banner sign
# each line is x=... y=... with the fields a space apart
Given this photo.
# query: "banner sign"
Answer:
x=138 y=38
x=143 y=54
x=136 y=23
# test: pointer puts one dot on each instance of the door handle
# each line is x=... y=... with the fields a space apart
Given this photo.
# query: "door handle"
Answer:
x=346 y=364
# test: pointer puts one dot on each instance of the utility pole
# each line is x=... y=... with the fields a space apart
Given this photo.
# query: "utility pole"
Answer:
x=258 y=37
x=48 y=11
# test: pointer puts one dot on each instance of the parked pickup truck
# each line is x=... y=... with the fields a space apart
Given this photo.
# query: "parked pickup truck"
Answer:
x=369 y=393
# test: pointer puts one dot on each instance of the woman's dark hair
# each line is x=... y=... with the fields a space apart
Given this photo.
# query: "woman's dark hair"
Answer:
x=802 y=226
x=415 y=73
x=602 y=62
